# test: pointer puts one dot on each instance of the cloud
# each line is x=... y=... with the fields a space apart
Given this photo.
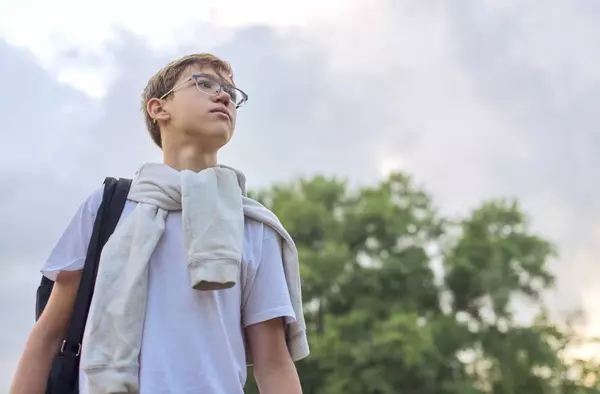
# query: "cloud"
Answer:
x=534 y=66
x=480 y=101
x=36 y=116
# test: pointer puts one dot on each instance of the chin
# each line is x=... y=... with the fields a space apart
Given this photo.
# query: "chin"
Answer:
x=217 y=136
x=224 y=132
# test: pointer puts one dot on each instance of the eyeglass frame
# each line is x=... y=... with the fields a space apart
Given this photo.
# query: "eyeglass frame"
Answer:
x=222 y=87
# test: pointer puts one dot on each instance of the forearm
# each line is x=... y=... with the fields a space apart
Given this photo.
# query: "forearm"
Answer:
x=281 y=378
x=35 y=363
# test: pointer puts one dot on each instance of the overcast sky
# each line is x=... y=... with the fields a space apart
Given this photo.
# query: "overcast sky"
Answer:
x=493 y=98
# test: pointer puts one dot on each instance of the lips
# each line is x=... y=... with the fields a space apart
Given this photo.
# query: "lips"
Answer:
x=221 y=110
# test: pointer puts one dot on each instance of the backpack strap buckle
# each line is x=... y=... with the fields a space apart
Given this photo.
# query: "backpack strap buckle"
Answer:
x=70 y=353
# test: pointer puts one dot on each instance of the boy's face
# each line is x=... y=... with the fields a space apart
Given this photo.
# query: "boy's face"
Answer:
x=195 y=110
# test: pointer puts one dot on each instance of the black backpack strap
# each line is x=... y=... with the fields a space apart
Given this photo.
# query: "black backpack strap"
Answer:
x=109 y=213
x=42 y=295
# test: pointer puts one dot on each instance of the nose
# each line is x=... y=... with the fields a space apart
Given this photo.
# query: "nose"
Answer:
x=222 y=97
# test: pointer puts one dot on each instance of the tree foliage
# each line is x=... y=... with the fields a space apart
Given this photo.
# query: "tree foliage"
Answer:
x=401 y=300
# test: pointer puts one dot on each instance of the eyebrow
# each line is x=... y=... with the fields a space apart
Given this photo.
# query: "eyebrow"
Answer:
x=216 y=77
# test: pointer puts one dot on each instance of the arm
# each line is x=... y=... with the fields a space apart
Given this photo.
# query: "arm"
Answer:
x=268 y=308
x=274 y=369
x=46 y=337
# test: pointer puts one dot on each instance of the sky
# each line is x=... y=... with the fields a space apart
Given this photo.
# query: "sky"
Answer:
x=494 y=99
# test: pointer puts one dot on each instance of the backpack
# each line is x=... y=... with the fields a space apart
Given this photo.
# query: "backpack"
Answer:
x=64 y=374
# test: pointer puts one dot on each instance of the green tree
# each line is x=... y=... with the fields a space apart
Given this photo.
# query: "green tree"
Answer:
x=400 y=300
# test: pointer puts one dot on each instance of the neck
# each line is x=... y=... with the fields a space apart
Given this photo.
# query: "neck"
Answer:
x=189 y=158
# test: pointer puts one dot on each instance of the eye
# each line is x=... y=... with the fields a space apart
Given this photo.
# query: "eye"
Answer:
x=232 y=92
x=207 y=84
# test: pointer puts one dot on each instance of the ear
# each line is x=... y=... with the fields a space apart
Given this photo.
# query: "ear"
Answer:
x=156 y=110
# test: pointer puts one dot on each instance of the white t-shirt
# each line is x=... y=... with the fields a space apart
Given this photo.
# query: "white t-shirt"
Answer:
x=193 y=341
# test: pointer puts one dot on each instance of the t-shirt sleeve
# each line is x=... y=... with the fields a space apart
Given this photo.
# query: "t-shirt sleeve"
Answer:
x=269 y=297
x=70 y=251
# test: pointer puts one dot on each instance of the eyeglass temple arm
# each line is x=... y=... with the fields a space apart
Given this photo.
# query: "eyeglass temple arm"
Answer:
x=175 y=87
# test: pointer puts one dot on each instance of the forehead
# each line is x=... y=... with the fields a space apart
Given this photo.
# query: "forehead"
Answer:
x=208 y=70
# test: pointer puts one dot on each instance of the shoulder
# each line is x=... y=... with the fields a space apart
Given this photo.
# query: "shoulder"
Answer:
x=258 y=231
x=93 y=201
x=82 y=221
x=261 y=220
x=259 y=238
x=70 y=251
x=88 y=208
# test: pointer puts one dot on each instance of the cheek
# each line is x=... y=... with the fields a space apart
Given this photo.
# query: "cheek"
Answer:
x=193 y=104
x=193 y=111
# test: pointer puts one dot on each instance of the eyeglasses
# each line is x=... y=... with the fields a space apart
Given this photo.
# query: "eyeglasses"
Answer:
x=207 y=84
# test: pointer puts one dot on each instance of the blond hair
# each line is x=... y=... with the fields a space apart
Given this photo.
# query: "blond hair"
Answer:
x=165 y=79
